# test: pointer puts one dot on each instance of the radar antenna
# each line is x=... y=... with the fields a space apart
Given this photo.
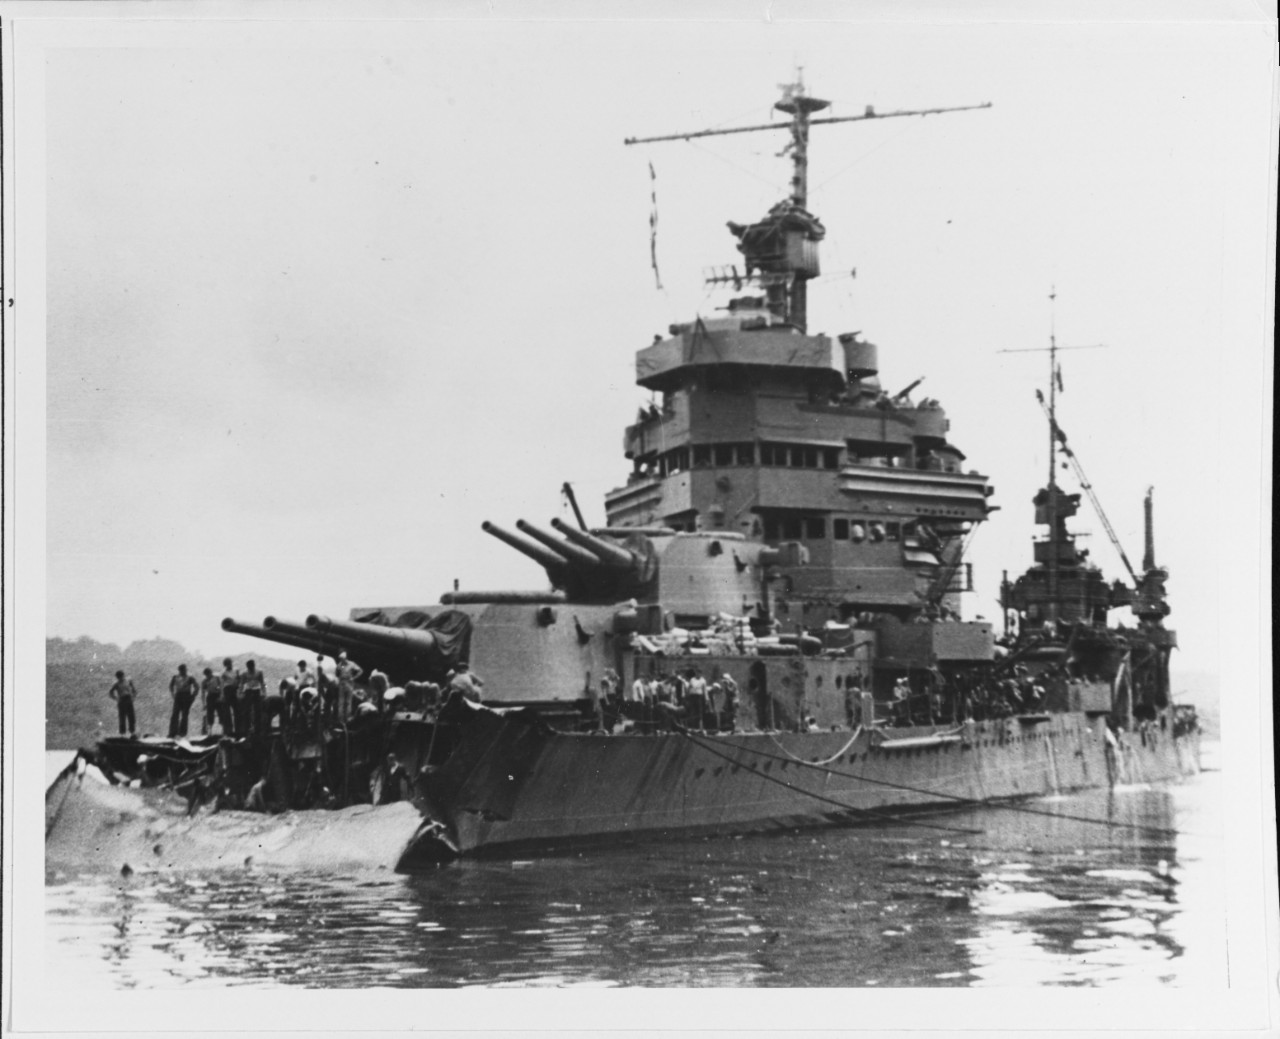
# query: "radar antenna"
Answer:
x=800 y=107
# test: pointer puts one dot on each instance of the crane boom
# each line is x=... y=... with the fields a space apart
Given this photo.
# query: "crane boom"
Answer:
x=1078 y=469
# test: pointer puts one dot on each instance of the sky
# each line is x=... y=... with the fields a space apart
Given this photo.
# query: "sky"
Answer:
x=321 y=297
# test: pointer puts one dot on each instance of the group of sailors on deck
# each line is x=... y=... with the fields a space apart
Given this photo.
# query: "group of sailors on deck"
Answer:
x=240 y=703
x=684 y=695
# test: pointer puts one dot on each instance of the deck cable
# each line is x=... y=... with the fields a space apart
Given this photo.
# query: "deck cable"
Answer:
x=1026 y=810
x=869 y=812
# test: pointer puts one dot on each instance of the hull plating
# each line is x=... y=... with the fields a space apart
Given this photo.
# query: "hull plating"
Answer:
x=530 y=786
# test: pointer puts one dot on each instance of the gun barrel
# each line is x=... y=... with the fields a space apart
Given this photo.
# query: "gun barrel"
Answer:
x=612 y=555
x=551 y=560
x=408 y=641
x=502 y=595
x=571 y=552
x=309 y=643
x=329 y=645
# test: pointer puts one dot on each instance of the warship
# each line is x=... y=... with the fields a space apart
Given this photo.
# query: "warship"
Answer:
x=766 y=632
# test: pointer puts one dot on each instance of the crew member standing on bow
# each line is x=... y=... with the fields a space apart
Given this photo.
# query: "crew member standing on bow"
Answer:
x=348 y=672
x=253 y=690
x=304 y=676
x=183 y=689
x=230 y=679
x=123 y=692
x=210 y=696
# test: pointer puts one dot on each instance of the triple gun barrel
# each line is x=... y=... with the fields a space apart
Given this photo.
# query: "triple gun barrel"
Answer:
x=324 y=635
x=581 y=552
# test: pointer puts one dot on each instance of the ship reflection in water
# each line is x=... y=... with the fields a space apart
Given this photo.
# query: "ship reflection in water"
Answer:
x=1030 y=900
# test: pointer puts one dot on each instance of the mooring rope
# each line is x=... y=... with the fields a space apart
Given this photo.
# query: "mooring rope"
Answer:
x=827 y=761
x=1024 y=809
x=870 y=812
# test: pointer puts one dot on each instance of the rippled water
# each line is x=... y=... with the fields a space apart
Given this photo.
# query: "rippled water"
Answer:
x=1028 y=899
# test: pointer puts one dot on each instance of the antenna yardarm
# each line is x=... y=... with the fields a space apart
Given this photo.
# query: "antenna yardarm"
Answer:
x=789 y=276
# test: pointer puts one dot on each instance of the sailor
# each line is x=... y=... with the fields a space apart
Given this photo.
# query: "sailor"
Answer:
x=730 y=688
x=230 y=679
x=379 y=683
x=304 y=676
x=696 y=697
x=639 y=690
x=715 y=698
x=852 y=698
x=308 y=703
x=347 y=672
x=610 y=686
x=290 y=689
x=278 y=704
x=465 y=684
x=210 y=694
x=123 y=693
x=901 y=701
x=327 y=688
x=249 y=697
x=183 y=690
x=667 y=714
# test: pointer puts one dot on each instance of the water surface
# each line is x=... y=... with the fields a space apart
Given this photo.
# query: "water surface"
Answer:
x=1026 y=899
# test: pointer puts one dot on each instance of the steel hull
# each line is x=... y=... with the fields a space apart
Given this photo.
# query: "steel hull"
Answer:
x=517 y=785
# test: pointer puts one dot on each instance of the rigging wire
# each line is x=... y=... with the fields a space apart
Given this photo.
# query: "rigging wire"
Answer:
x=1026 y=810
x=867 y=154
x=729 y=162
